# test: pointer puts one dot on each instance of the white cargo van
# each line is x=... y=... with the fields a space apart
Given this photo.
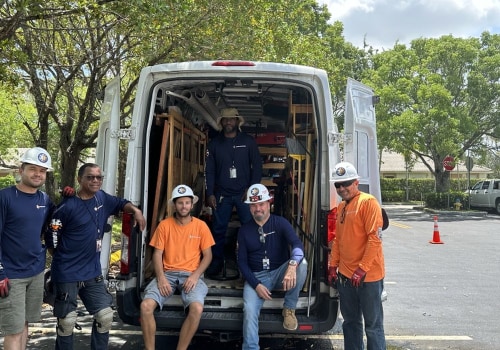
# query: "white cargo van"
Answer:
x=288 y=109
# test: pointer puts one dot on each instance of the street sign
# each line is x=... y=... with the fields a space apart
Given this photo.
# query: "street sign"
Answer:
x=469 y=163
x=449 y=163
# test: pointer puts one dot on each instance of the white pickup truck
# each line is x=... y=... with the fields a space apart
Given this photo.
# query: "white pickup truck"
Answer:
x=486 y=194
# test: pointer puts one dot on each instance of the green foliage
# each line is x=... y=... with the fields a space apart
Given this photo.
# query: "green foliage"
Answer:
x=444 y=200
x=438 y=98
x=6 y=181
x=394 y=190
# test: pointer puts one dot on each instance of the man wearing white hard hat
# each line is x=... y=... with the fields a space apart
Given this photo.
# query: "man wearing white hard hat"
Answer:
x=182 y=252
x=357 y=261
x=233 y=163
x=24 y=211
x=270 y=256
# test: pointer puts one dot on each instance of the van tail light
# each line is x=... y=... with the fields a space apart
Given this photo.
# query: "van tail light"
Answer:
x=232 y=63
x=127 y=225
x=331 y=221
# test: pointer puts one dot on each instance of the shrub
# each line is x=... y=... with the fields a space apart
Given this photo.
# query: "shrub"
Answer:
x=6 y=181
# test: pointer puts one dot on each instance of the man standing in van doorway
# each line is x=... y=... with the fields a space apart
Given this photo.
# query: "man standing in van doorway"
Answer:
x=182 y=252
x=74 y=239
x=357 y=261
x=24 y=212
x=270 y=257
x=233 y=163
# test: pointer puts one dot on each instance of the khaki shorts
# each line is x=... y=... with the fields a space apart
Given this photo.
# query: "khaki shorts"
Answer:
x=24 y=304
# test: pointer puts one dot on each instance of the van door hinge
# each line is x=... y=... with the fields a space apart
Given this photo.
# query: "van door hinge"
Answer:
x=123 y=134
x=336 y=137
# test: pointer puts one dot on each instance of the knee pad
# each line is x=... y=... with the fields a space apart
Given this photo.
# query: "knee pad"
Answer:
x=65 y=325
x=103 y=320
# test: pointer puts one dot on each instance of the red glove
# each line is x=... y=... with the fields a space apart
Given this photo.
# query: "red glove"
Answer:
x=4 y=288
x=358 y=277
x=68 y=191
x=332 y=275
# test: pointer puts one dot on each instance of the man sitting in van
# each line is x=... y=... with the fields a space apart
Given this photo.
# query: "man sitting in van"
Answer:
x=270 y=257
x=182 y=252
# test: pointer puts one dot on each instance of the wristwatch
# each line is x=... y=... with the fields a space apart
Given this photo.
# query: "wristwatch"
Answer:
x=292 y=263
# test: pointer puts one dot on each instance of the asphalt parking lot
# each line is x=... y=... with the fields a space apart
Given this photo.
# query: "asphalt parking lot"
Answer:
x=440 y=296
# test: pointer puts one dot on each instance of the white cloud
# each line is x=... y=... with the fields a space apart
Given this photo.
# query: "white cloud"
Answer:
x=382 y=23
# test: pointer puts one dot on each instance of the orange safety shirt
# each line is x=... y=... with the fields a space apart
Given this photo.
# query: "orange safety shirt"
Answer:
x=182 y=245
x=357 y=242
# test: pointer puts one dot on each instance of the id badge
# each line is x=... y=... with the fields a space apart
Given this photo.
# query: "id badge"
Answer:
x=98 y=245
x=265 y=264
x=232 y=173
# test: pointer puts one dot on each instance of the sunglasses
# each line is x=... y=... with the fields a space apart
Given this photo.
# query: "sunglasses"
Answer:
x=94 y=177
x=262 y=237
x=344 y=184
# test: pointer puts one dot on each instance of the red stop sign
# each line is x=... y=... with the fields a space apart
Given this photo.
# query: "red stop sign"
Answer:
x=449 y=163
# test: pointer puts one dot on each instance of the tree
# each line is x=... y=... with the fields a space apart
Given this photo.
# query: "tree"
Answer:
x=66 y=60
x=439 y=97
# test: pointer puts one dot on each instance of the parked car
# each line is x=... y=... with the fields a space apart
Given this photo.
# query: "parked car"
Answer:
x=486 y=194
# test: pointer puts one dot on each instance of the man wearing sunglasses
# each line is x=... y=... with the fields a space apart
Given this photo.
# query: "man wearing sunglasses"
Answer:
x=74 y=238
x=270 y=257
x=357 y=261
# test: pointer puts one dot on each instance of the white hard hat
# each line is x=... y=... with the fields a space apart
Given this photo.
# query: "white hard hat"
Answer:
x=230 y=113
x=257 y=193
x=183 y=191
x=37 y=156
x=344 y=171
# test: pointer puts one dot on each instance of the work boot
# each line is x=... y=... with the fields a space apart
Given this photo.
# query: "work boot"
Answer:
x=289 y=319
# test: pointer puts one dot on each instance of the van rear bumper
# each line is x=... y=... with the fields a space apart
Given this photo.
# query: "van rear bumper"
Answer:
x=322 y=317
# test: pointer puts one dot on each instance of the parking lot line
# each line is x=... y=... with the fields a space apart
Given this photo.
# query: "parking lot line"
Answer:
x=400 y=225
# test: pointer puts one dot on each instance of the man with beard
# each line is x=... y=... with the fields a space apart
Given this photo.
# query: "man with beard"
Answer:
x=182 y=252
x=233 y=163
x=24 y=211
x=270 y=256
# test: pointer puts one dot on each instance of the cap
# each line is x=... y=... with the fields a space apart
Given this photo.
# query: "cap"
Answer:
x=344 y=171
x=37 y=156
x=182 y=191
x=257 y=193
x=230 y=113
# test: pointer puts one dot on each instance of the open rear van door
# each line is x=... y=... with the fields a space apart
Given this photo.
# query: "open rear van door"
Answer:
x=360 y=129
x=107 y=155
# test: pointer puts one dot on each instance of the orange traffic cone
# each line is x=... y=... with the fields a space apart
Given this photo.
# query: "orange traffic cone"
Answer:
x=435 y=238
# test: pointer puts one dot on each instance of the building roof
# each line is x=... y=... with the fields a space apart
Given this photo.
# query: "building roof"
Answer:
x=392 y=162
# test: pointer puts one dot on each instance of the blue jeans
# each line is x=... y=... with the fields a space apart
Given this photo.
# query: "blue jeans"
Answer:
x=222 y=216
x=94 y=296
x=252 y=303
x=176 y=280
x=356 y=304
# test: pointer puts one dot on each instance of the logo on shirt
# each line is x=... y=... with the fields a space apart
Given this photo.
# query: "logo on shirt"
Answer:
x=40 y=206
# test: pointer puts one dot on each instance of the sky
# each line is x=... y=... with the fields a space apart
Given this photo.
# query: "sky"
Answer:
x=382 y=23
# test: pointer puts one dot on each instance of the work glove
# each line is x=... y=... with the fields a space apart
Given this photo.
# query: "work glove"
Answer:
x=68 y=191
x=332 y=276
x=358 y=277
x=4 y=288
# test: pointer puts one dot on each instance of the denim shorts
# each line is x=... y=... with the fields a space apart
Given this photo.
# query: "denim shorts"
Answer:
x=24 y=303
x=176 y=280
